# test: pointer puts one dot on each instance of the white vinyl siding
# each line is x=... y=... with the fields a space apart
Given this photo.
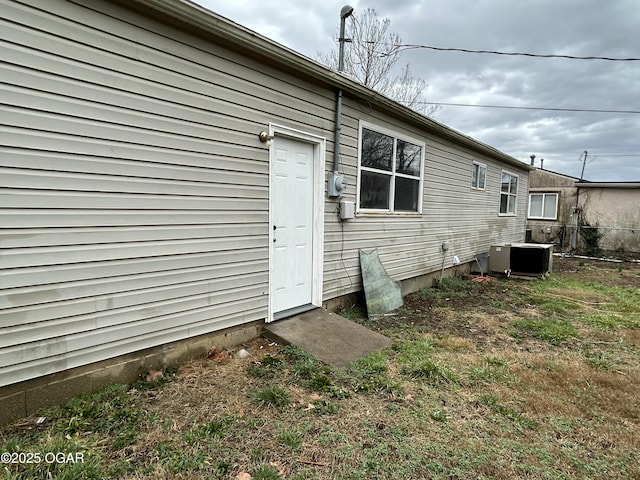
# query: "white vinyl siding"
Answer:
x=134 y=192
x=410 y=245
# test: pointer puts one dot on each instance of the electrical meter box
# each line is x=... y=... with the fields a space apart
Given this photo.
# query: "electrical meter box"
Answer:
x=336 y=185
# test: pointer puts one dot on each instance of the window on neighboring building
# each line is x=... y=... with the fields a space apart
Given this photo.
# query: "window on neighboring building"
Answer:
x=543 y=206
x=508 y=193
x=478 y=176
x=390 y=172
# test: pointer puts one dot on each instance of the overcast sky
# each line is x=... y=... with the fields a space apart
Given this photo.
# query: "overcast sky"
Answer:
x=603 y=28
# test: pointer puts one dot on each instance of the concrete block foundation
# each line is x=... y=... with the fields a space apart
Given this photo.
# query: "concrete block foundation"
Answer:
x=26 y=398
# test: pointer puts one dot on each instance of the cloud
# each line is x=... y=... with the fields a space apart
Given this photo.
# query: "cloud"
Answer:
x=569 y=27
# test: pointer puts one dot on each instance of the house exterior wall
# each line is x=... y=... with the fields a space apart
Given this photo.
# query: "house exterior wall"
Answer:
x=134 y=195
x=410 y=245
x=553 y=231
x=135 y=200
x=610 y=207
x=616 y=213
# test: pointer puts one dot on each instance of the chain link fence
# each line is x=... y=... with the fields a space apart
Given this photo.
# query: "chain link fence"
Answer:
x=589 y=240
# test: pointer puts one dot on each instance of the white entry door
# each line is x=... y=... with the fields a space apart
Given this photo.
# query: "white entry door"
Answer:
x=292 y=218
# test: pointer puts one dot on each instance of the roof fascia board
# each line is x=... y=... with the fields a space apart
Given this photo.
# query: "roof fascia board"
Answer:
x=608 y=184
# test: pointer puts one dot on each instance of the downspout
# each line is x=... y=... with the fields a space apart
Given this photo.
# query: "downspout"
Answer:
x=337 y=183
x=336 y=133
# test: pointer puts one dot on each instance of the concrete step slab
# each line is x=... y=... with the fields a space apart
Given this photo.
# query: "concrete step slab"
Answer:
x=327 y=336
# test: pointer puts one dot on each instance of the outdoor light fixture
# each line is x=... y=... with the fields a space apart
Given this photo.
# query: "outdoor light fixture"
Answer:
x=346 y=11
x=265 y=137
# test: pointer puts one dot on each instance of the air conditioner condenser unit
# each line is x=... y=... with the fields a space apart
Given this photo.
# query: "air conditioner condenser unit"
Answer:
x=521 y=259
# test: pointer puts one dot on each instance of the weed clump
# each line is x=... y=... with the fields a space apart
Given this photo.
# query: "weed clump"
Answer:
x=491 y=401
x=371 y=374
x=265 y=472
x=267 y=367
x=275 y=397
x=432 y=371
x=554 y=331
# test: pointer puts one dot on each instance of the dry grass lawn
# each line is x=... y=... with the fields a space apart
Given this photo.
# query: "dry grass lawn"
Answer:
x=499 y=380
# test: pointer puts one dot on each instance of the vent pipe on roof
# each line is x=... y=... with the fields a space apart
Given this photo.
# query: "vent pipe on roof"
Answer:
x=532 y=157
x=346 y=12
x=337 y=183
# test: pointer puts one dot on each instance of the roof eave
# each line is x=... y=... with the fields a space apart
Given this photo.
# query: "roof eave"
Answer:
x=607 y=184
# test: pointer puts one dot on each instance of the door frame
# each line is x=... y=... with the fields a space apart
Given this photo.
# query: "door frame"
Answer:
x=319 y=158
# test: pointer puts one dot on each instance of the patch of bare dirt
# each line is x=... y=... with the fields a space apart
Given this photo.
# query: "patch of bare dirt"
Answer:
x=477 y=312
x=208 y=388
x=606 y=273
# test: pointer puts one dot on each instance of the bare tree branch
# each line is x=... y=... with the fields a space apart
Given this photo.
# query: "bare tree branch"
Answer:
x=370 y=58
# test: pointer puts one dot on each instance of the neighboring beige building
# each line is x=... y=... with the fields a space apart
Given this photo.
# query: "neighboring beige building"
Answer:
x=609 y=213
x=552 y=201
x=614 y=208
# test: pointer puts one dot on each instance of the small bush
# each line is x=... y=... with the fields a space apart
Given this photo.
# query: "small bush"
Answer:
x=591 y=236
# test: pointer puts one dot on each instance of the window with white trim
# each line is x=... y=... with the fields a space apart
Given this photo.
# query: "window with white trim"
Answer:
x=389 y=172
x=478 y=176
x=543 y=206
x=508 y=193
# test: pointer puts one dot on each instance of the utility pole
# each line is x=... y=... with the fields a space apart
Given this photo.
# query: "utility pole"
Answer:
x=584 y=162
x=575 y=218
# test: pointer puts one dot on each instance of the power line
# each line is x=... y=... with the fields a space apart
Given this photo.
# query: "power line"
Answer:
x=404 y=47
x=589 y=110
x=606 y=155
